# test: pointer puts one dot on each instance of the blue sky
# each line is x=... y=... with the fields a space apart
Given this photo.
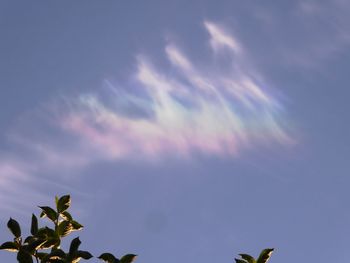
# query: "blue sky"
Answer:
x=184 y=130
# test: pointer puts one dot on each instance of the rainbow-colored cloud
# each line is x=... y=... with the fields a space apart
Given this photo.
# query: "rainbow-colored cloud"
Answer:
x=183 y=110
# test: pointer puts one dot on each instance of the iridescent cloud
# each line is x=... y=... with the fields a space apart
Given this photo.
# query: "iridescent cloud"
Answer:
x=189 y=110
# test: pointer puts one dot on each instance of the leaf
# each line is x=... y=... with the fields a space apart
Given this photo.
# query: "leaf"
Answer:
x=74 y=245
x=49 y=212
x=51 y=242
x=24 y=257
x=76 y=226
x=46 y=232
x=29 y=239
x=65 y=228
x=108 y=257
x=240 y=260
x=63 y=203
x=34 y=225
x=84 y=254
x=265 y=255
x=66 y=216
x=41 y=255
x=9 y=246
x=14 y=227
x=35 y=244
x=56 y=200
x=57 y=254
x=248 y=258
x=128 y=258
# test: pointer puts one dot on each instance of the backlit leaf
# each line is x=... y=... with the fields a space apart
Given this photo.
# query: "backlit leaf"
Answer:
x=84 y=254
x=108 y=257
x=24 y=257
x=49 y=212
x=265 y=255
x=63 y=203
x=34 y=225
x=14 y=227
x=9 y=246
x=128 y=258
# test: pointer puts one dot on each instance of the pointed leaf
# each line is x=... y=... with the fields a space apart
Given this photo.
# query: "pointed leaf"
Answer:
x=108 y=257
x=265 y=255
x=240 y=260
x=9 y=246
x=14 y=227
x=34 y=225
x=24 y=257
x=84 y=254
x=76 y=226
x=50 y=243
x=128 y=258
x=65 y=228
x=248 y=258
x=35 y=244
x=74 y=245
x=49 y=212
x=63 y=203
x=45 y=232
x=66 y=216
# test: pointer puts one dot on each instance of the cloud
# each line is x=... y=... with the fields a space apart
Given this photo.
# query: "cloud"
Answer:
x=192 y=110
x=181 y=110
x=219 y=38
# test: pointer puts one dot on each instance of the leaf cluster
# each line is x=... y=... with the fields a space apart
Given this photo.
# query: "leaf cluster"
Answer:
x=43 y=243
x=263 y=257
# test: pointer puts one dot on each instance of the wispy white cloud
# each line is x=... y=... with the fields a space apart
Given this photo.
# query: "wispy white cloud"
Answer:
x=219 y=38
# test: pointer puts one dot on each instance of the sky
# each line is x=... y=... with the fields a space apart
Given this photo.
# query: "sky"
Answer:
x=183 y=130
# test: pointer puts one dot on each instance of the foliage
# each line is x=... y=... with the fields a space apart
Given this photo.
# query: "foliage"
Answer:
x=43 y=243
x=263 y=257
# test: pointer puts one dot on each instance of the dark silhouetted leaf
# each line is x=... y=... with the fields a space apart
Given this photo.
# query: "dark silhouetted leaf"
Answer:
x=108 y=257
x=49 y=212
x=128 y=258
x=24 y=257
x=64 y=228
x=63 y=203
x=29 y=239
x=240 y=260
x=66 y=216
x=35 y=244
x=265 y=255
x=84 y=254
x=41 y=255
x=34 y=225
x=57 y=254
x=14 y=227
x=9 y=246
x=76 y=226
x=51 y=242
x=46 y=232
x=248 y=258
x=74 y=245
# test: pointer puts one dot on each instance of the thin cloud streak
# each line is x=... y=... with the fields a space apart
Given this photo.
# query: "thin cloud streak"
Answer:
x=219 y=38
